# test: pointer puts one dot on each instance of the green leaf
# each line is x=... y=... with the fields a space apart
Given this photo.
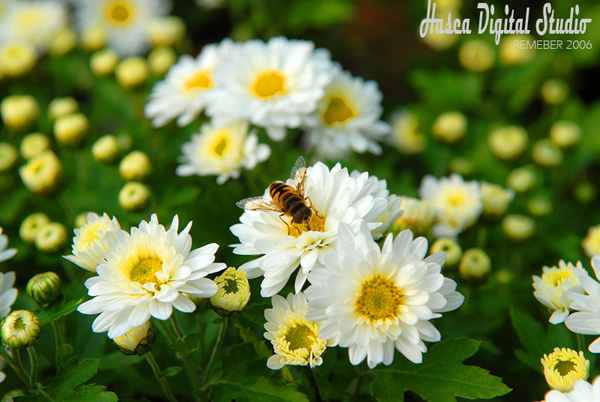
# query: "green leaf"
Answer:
x=188 y=344
x=448 y=88
x=171 y=371
x=117 y=360
x=54 y=312
x=255 y=389
x=91 y=393
x=441 y=377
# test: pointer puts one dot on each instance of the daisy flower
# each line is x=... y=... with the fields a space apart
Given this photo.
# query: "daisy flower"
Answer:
x=347 y=117
x=222 y=151
x=92 y=241
x=124 y=22
x=380 y=300
x=556 y=286
x=333 y=196
x=275 y=85
x=5 y=254
x=583 y=391
x=147 y=273
x=182 y=94
x=295 y=339
x=8 y=294
x=457 y=203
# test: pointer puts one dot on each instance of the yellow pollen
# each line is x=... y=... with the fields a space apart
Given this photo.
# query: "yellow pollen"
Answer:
x=315 y=224
x=144 y=271
x=90 y=234
x=199 y=81
x=379 y=299
x=300 y=336
x=559 y=276
x=456 y=198
x=337 y=111
x=119 y=12
x=268 y=84
x=564 y=367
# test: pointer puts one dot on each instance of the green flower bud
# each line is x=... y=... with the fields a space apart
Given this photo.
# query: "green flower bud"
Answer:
x=19 y=111
x=585 y=192
x=555 y=91
x=31 y=226
x=522 y=179
x=565 y=133
x=43 y=174
x=80 y=220
x=450 y=127
x=475 y=264
x=508 y=142
x=135 y=166
x=8 y=156
x=547 y=153
x=518 y=227
x=539 y=206
x=51 y=237
x=93 y=38
x=451 y=248
x=166 y=31
x=132 y=72
x=103 y=62
x=106 y=149
x=233 y=293
x=60 y=107
x=44 y=288
x=70 y=130
x=161 y=59
x=476 y=55
x=63 y=42
x=134 y=196
x=137 y=341
x=34 y=144
x=20 y=329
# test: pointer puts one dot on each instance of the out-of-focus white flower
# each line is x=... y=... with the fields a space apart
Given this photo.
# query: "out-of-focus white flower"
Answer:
x=5 y=253
x=8 y=294
x=583 y=391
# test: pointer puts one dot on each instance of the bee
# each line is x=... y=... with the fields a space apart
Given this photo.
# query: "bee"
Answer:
x=285 y=199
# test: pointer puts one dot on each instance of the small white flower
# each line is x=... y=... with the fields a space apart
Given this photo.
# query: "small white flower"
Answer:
x=582 y=392
x=182 y=94
x=8 y=294
x=275 y=85
x=347 y=117
x=222 y=151
x=5 y=254
x=147 y=273
x=417 y=215
x=380 y=300
x=457 y=203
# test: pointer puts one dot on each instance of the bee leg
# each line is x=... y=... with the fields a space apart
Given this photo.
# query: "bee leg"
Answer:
x=286 y=224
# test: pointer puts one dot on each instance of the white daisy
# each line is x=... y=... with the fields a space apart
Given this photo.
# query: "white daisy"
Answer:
x=380 y=300
x=35 y=22
x=295 y=339
x=8 y=294
x=347 y=117
x=147 y=273
x=582 y=392
x=275 y=85
x=556 y=286
x=5 y=254
x=92 y=240
x=457 y=203
x=222 y=151
x=182 y=94
x=124 y=22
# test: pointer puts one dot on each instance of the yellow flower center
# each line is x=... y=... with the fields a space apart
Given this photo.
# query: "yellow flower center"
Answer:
x=337 y=111
x=29 y=18
x=300 y=336
x=220 y=145
x=379 y=299
x=555 y=278
x=90 y=234
x=268 y=84
x=119 y=12
x=456 y=198
x=199 y=81
x=316 y=224
x=144 y=271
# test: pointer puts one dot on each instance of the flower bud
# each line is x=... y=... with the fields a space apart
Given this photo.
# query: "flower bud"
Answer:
x=134 y=196
x=19 y=112
x=508 y=142
x=18 y=58
x=564 y=367
x=406 y=135
x=132 y=72
x=475 y=264
x=591 y=243
x=63 y=42
x=8 y=156
x=20 y=329
x=418 y=216
x=93 y=38
x=522 y=179
x=33 y=145
x=539 y=206
x=135 y=166
x=71 y=130
x=44 y=288
x=555 y=91
x=512 y=55
x=137 y=341
x=450 y=127
x=80 y=220
x=546 y=153
x=450 y=247
x=103 y=62
x=161 y=59
x=166 y=31
x=42 y=174
x=476 y=55
x=504 y=276
x=51 y=237
x=31 y=226
x=495 y=199
x=106 y=149
x=518 y=227
x=565 y=133
x=60 y=107
x=233 y=293
x=462 y=166
x=585 y=192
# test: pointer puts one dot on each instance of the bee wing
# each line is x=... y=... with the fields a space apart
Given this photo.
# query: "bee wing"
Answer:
x=299 y=174
x=259 y=203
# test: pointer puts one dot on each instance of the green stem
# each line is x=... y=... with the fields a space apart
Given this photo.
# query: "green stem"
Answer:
x=580 y=342
x=20 y=369
x=57 y=343
x=33 y=366
x=10 y=361
x=162 y=380
x=188 y=365
x=215 y=351
x=176 y=326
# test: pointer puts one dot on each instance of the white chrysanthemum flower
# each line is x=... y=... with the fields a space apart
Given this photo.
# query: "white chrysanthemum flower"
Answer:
x=146 y=273
x=8 y=294
x=380 y=300
x=124 y=22
x=347 y=117
x=334 y=197
x=92 y=240
x=457 y=203
x=182 y=94
x=275 y=85
x=35 y=22
x=5 y=254
x=417 y=215
x=586 y=319
x=222 y=151
x=295 y=339
x=556 y=286
x=564 y=367
x=583 y=391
